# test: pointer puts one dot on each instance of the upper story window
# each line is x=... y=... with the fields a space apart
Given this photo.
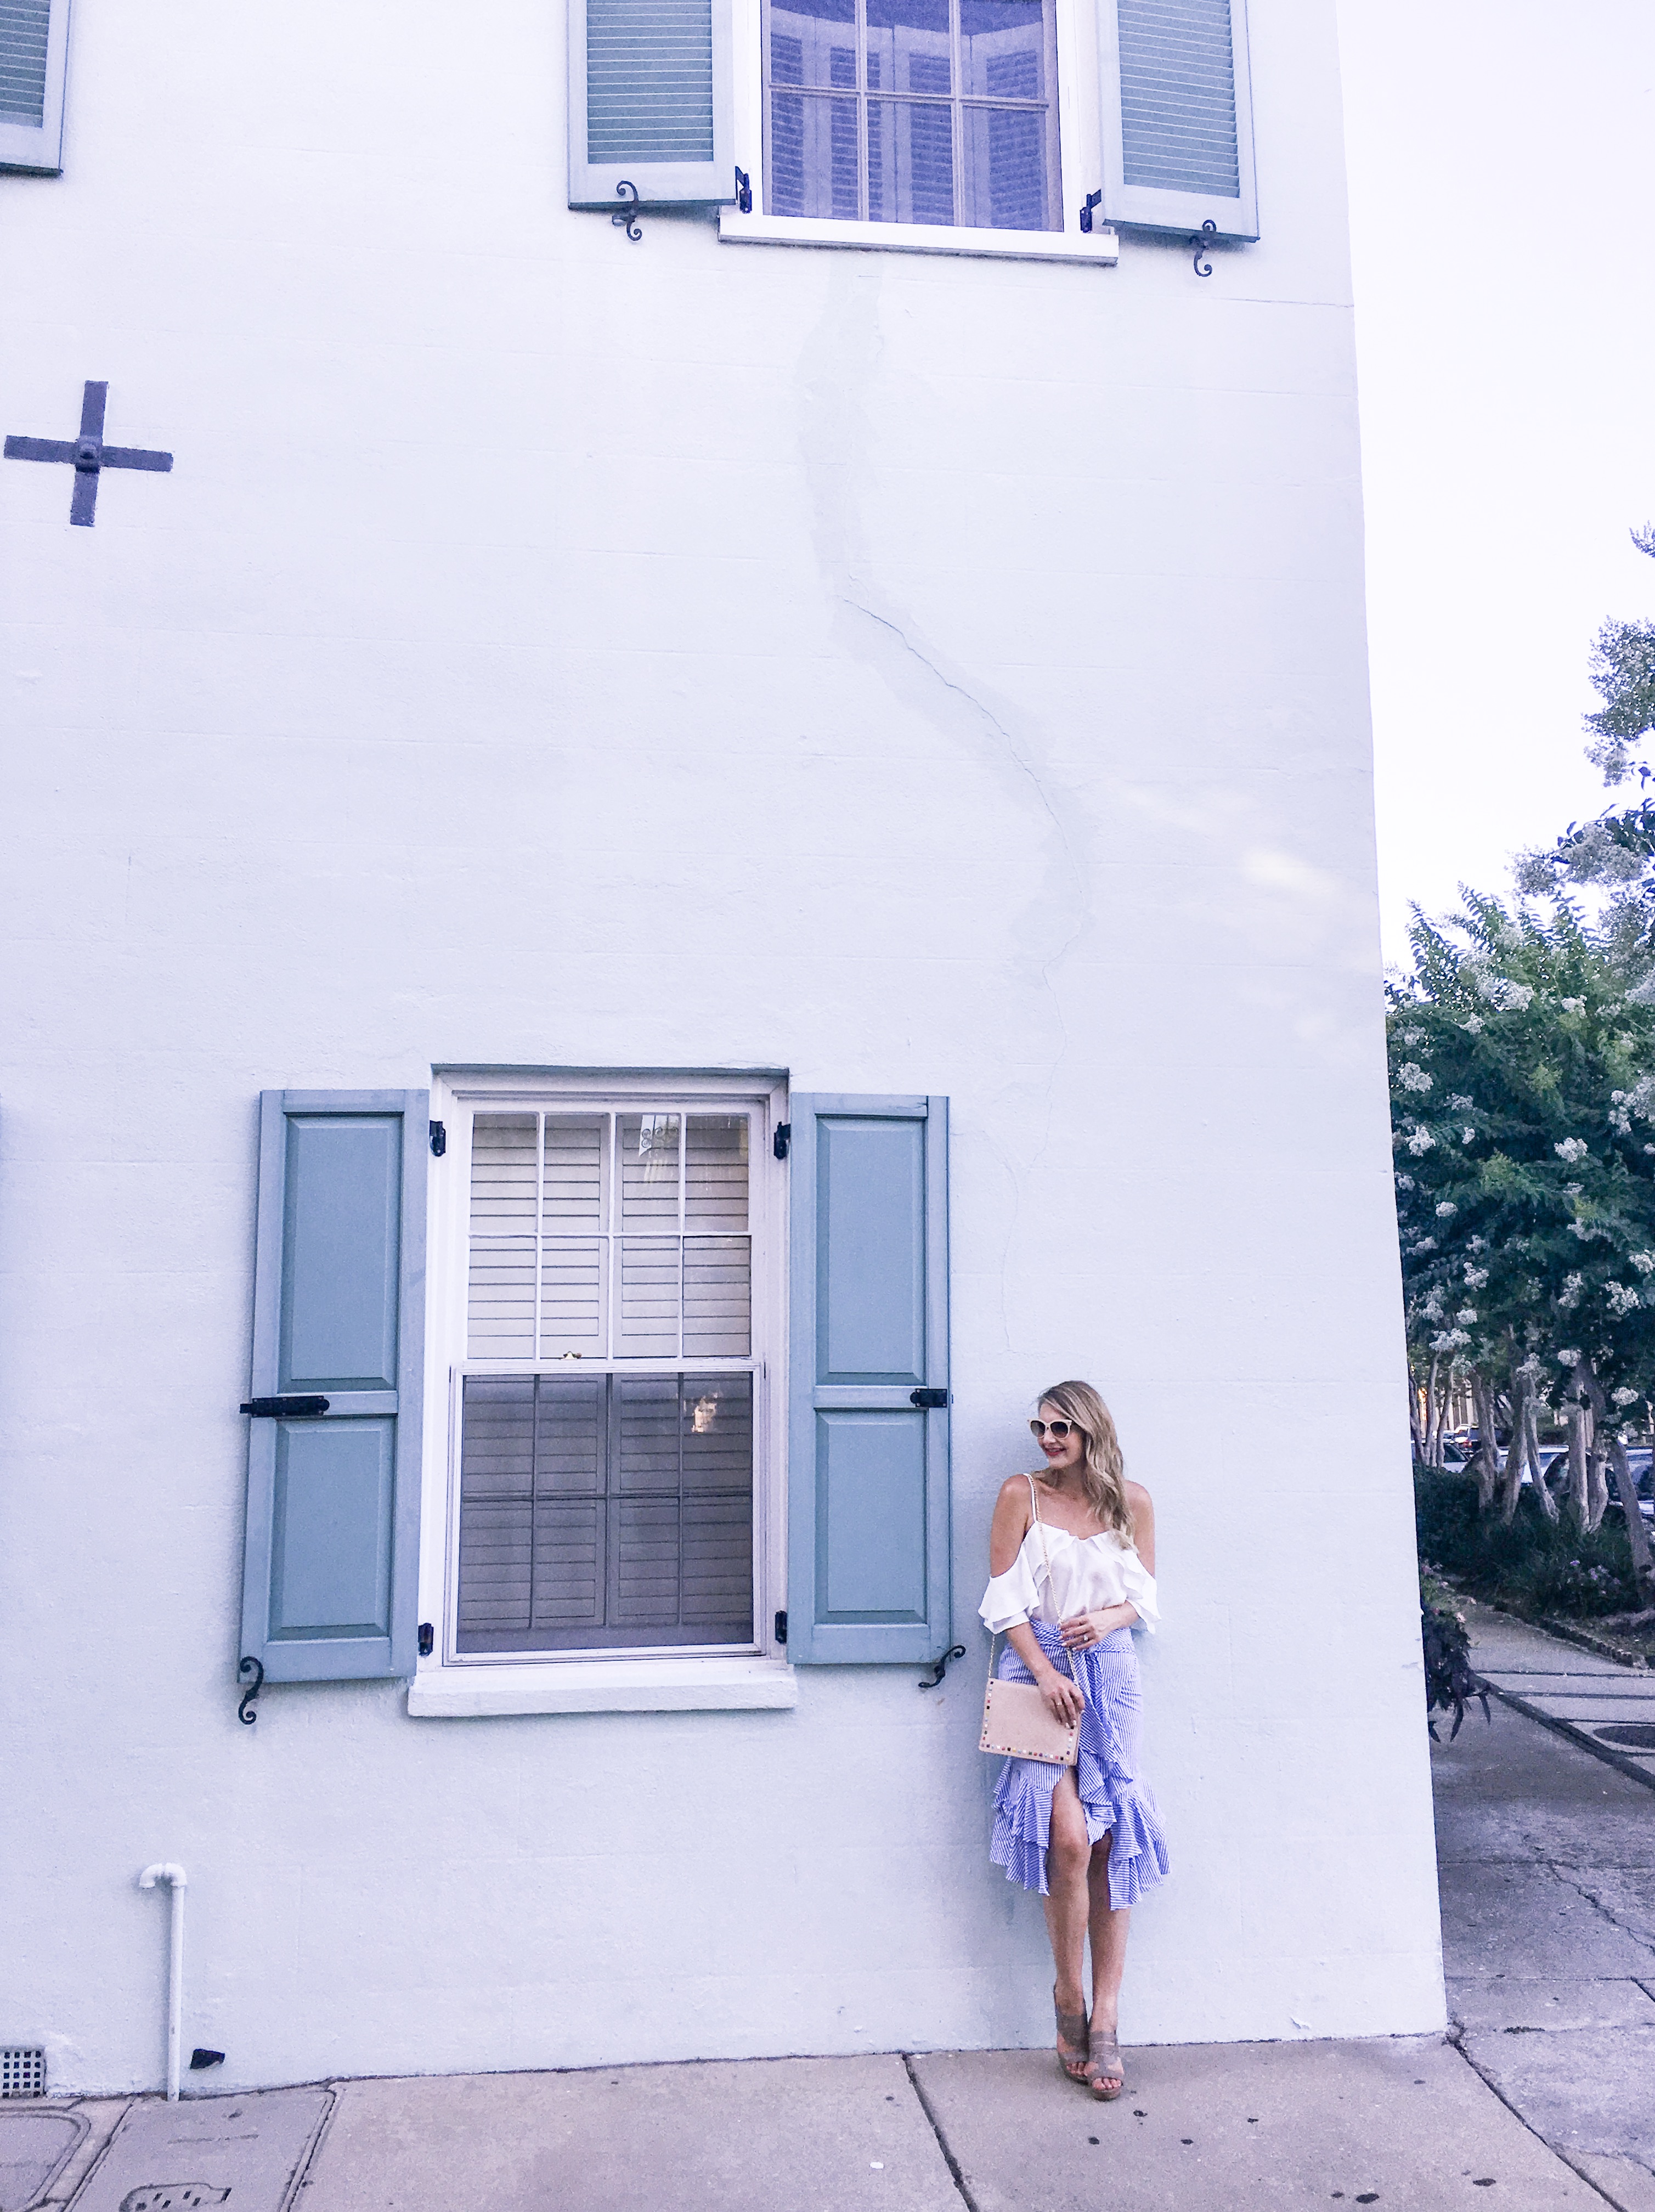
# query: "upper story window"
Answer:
x=913 y=110
x=606 y=1446
x=1001 y=126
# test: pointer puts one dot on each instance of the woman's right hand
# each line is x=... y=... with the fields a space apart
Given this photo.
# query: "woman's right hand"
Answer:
x=1063 y=1698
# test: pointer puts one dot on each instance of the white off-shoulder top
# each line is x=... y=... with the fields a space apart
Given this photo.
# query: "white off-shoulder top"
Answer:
x=1056 y=1576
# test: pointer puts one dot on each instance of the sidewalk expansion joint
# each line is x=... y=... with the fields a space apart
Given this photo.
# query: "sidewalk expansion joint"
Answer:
x=1456 y=2036
x=1607 y=1753
x=952 y=2162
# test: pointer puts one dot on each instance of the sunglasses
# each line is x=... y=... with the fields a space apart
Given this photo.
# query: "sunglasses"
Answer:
x=1056 y=1430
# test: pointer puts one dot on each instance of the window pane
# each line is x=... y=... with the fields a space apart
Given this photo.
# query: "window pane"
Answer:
x=813 y=157
x=647 y=1324
x=813 y=44
x=910 y=161
x=1003 y=48
x=501 y=1293
x=909 y=47
x=646 y=1433
x=649 y=1170
x=715 y=1172
x=1006 y=170
x=718 y=1432
x=569 y=1419
x=573 y=1295
x=718 y=1297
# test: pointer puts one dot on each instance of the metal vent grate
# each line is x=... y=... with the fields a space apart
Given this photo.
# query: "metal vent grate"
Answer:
x=22 y=2070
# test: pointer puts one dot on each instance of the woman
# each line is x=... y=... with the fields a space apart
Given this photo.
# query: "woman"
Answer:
x=1071 y=1561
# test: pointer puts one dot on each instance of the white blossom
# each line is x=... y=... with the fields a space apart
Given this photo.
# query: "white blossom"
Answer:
x=1413 y=1077
x=1623 y=1396
x=1573 y=1005
x=1475 y=1024
x=1572 y=1149
x=1424 y=1244
x=1476 y=1278
x=1641 y=1098
x=1432 y=1308
x=1569 y=1297
x=1405 y=1182
x=1420 y=1142
x=1476 y=1243
x=1413 y=1037
x=1469 y=1313
x=1585 y=1231
x=1568 y=1358
x=1446 y=1209
x=1458 y=1103
x=1468 y=1136
x=1622 y=1297
x=1449 y=1340
x=1643 y=1262
x=1500 y=991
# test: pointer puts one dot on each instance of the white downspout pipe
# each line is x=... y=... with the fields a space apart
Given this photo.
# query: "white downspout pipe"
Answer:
x=165 y=1870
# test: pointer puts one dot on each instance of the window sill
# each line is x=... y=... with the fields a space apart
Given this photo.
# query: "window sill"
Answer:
x=603 y=1686
x=1100 y=245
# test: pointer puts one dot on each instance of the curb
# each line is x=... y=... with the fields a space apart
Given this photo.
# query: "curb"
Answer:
x=1606 y=1752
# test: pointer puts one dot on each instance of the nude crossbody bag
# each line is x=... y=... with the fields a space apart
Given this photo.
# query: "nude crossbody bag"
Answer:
x=1017 y=1721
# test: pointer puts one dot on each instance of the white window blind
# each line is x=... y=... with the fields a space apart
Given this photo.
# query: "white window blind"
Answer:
x=608 y=1509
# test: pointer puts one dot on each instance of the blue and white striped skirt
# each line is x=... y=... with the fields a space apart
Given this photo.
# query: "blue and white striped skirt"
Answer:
x=1116 y=1803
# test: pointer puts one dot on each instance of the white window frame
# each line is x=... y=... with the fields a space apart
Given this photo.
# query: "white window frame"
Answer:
x=1080 y=155
x=655 y=1678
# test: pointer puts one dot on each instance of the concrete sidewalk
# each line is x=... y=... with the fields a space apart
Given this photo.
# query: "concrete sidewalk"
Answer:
x=1544 y=2101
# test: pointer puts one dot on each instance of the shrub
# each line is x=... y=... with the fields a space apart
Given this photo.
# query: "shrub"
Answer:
x=1531 y=1564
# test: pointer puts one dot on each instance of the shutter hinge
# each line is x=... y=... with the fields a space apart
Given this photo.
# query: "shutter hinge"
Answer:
x=439 y=1139
x=931 y=1399
x=427 y=1639
x=744 y=192
x=244 y=1711
x=284 y=1409
x=781 y=1628
x=954 y=1651
x=1091 y=199
x=784 y=1137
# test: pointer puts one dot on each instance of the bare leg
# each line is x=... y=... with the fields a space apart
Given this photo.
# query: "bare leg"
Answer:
x=1109 y=1927
x=1068 y=1902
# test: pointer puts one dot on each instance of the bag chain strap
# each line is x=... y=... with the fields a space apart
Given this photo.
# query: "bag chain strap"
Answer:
x=1046 y=1553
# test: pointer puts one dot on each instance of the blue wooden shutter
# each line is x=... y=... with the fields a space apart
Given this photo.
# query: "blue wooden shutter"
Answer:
x=867 y=1469
x=333 y=1503
x=33 y=64
x=650 y=102
x=1178 y=116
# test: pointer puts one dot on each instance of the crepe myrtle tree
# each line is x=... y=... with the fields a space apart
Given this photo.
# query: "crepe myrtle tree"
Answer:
x=1615 y=853
x=1522 y=1052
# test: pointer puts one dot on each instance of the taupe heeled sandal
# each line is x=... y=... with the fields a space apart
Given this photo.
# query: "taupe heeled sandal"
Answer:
x=1104 y=2069
x=1072 y=2029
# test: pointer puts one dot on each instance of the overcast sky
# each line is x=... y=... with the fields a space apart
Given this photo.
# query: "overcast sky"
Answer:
x=1502 y=200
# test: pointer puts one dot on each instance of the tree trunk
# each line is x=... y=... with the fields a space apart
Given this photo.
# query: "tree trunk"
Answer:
x=1488 y=1452
x=1643 y=1564
x=1598 y=1431
x=1415 y=1428
x=1542 y=1488
x=1516 y=1449
x=1575 y=1414
x=1436 y=1404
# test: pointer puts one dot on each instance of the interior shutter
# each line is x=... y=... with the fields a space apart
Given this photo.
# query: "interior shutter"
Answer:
x=1178 y=116
x=333 y=1497
x=650 y=96
x=867 y=1465
x=33 y=61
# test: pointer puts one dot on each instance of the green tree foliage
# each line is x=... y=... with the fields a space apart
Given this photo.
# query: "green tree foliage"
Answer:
x=1523 y=1111
x=1615 y=852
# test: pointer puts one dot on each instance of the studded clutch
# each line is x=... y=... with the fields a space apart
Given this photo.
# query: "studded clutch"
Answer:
x=1018 y=1723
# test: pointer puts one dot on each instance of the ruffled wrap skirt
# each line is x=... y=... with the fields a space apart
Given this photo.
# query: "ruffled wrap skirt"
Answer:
x=1117 y=1802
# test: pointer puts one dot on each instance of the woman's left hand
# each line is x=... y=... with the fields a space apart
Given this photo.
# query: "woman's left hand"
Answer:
x=1082 y=1630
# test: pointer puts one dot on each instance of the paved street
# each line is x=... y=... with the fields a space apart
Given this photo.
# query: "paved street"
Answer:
x=1548 y=1868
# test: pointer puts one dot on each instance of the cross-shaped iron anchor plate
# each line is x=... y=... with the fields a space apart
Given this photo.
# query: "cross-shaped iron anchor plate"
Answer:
x=87 y=454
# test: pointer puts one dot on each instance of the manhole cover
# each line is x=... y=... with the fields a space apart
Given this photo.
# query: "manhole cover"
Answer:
x=35 y=2148
x=1631 y=1735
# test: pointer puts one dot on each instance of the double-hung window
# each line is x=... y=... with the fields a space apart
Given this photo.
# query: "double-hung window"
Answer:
x=608 y=1379
x=940 y=111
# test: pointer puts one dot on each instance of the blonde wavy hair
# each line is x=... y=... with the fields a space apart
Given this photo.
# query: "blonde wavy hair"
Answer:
x=1103 y=1468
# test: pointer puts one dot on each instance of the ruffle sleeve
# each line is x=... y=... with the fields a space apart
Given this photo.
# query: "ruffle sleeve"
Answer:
x=1011 y=1597
x=1139 y=1589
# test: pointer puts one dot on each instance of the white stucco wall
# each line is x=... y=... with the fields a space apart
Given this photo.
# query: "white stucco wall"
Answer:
x=917 y=674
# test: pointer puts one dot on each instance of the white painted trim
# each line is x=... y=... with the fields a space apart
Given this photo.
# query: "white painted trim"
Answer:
x=604 y=1686
x=1099 y=246
x=624 y=1681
